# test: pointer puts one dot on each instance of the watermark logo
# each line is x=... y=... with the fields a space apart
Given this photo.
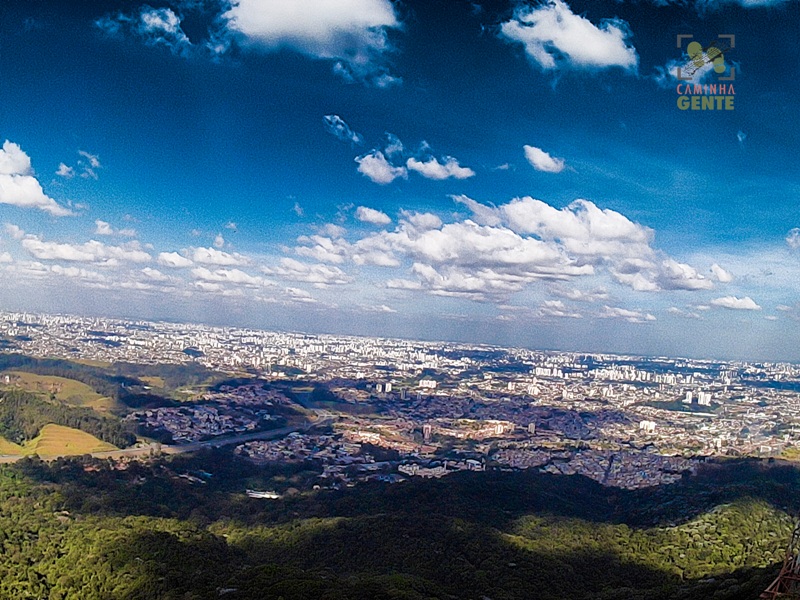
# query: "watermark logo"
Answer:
x=694 y=94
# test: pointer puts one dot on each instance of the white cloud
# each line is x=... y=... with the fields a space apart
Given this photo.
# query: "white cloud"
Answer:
x=230 y=225
x=370 y=215
x=219 y=241
x=721 y=274
x=632 y=316
x=155 y=26
x=232 y=276
x=298 y=295
x=734 y=303
x=422 y=221
x=793 y=238
x=378 y=308
x=555 y=37
x=323 y=248
x=103 y=228
x=542 y=161
x=508 y=248
x=556 y=308
x=433 y=169
x=741 y=136
x=679 y=276
x=163 y=27
x=93 y=159
x=320 y=275
x=667 y=76
x=65 y=171
x=174 y=260
x=335 y=125
x=577 y=295
x=19 y=187
x=5 y=257
x=14 y=231
x=91 y=251
x=393 y=145
x=375 y=166
x=212 y=256
x=353 y=33
x=154 y=274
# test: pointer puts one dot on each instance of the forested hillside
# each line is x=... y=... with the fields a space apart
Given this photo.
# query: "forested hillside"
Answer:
x=80 y=529
x=23 y=415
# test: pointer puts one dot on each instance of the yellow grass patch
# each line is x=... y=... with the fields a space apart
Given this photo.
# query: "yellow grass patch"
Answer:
x=57 y=440
x=154 y=381
x=91 y=363
x=67 y=390
x=8 y=447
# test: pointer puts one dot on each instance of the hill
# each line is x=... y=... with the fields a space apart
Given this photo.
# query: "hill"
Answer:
x=189 y=531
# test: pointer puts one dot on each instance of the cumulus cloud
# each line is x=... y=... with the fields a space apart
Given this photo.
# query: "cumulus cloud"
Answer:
x=213 y=256
x=793 y=238
x=174 y=260
x=91 y=251
x=14 y=231
x=19 y=187
x=542 y=161
x=370 y=215
x=500 y=250
x=433 y=169
x=577 y=295
x=632 y=316
x=319 y=275
x=154 y=274
x=556 y=308
x=230 y=276
x=721 y=274
x=335 y=125
x=734 y=303
x=351 y=33
x=65 y=171
x=379 y=170
x=104 y=228
x=674 y=310
x=422 y=221
x=555 y=38
x=155 y=26
x=680 y=276
x=219 y=241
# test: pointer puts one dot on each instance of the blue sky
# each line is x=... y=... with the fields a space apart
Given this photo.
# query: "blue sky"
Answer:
x=511 y=173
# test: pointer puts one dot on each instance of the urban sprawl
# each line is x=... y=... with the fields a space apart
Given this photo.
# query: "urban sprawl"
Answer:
x=390 y=409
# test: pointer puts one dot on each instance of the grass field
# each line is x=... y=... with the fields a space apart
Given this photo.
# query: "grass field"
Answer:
x=156 y=382
x=56 y=440
x=91 y=363
x=67 y=390
x=7 y=447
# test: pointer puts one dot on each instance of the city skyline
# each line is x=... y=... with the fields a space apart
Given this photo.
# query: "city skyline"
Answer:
x=504 y=173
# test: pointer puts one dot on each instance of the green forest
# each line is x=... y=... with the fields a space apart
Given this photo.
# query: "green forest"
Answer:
x=23 y=415
x=82 y=529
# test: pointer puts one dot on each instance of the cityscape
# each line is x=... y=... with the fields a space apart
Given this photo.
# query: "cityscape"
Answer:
x=390 y=409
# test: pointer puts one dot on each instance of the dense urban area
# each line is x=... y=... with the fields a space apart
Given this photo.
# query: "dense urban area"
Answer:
x=359 y=408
